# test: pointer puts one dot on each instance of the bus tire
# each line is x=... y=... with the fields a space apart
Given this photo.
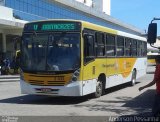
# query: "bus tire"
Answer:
x=99 y=89
x=133 y=79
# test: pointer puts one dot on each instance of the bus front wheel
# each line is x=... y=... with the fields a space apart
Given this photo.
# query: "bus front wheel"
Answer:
x=99 y=89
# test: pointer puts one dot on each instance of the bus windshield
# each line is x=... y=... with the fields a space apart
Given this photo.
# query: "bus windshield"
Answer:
x=50 y=52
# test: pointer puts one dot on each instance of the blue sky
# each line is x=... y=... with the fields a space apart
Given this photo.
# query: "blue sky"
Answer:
x=138 y=13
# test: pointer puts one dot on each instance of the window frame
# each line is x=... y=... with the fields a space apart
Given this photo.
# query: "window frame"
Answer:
x=120 y=46
x=128 y=43
x=134 y=48
x=100 y=45
x=110 y=45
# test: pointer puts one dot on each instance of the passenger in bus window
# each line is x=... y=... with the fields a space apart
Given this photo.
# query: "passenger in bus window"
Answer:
x=156 y=80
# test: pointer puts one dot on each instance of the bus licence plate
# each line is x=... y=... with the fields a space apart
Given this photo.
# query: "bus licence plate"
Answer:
x=46 y=90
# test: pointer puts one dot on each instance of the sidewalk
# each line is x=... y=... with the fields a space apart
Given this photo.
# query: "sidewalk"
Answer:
x=9 y=78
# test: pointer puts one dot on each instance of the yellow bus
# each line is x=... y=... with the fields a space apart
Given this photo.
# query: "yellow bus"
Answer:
x=77 y=58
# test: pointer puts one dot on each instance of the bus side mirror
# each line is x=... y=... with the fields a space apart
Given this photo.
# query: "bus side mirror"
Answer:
x=152 y=33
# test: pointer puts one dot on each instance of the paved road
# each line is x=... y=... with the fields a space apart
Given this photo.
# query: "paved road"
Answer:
x=118 y=101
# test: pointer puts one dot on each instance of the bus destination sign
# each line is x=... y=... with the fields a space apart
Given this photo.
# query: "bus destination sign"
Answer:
x=53 y=26
x=58 y=27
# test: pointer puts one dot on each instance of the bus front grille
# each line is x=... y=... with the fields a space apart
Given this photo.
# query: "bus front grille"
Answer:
x=47 y=83
x=46 y=80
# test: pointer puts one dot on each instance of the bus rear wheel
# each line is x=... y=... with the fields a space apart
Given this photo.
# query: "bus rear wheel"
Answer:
x=99 y=89
x=133 y=80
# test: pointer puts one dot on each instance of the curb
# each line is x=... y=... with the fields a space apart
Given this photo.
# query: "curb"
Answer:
x=9 y=78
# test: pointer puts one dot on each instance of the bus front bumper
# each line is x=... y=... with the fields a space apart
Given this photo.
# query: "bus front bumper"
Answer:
x=71 y=89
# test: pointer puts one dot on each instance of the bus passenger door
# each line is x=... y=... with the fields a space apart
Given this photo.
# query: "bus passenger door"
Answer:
x=88 y=65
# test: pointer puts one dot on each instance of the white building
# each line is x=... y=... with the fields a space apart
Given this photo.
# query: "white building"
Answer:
x=99 y=5
x=15 y=13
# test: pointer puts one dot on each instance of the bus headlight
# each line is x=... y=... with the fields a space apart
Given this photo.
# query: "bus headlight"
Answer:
x=75 y=75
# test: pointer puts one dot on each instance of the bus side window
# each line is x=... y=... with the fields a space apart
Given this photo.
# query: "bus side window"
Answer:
x=128 y=47
x=139 y=48
x=100 y=44
x=88 y=48
x=144 y=49
x=120 y=46
x=110 y=45
x=134 y=47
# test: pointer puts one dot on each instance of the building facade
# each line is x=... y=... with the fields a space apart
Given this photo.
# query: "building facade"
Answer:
x=15 y=13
